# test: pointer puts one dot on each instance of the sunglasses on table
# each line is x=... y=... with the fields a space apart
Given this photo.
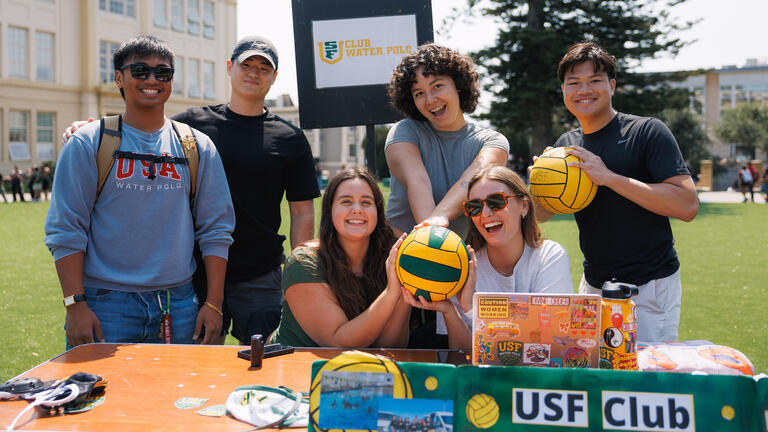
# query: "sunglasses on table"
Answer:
x=496 y=201
x=141 y=71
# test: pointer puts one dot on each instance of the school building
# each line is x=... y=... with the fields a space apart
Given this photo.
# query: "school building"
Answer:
x=56 y=67
x=726 y=88
x=56 y=63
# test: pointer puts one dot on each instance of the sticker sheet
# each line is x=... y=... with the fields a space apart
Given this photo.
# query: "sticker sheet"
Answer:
x=543 y=330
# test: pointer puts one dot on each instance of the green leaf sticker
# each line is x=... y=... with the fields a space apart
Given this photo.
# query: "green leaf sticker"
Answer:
x=189 y=402
x=213 y=411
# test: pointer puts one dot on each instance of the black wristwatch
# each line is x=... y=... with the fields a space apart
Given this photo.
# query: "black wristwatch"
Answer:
x=69 y=301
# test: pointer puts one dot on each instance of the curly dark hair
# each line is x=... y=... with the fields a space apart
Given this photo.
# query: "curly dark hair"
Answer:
x=435 y=60
x=354 y=293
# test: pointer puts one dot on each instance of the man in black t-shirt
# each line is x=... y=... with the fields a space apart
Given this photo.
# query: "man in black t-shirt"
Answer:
x=643 y=180
x=264 y=157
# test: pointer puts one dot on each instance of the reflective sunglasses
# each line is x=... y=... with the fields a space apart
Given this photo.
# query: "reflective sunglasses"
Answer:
x=141 y=71
x=496 y=201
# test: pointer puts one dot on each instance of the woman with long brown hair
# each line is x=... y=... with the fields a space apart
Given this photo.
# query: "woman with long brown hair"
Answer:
x=341 y=290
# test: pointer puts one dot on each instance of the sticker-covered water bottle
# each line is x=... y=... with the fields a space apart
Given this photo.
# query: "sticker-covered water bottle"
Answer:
x=618 y=347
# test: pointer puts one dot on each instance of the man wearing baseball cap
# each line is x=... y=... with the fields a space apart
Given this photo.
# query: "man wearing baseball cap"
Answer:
x=264 y=157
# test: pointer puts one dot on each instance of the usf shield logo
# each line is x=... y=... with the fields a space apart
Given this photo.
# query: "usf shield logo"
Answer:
x=330 y=51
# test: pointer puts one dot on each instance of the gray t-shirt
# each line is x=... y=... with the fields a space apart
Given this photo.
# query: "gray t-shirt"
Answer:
x=545 y=269
x=445 y=156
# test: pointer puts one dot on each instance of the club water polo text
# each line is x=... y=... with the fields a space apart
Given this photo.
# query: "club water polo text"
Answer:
x=363 y=48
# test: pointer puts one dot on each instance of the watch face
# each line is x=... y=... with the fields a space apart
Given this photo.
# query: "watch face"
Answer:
x=69 y=301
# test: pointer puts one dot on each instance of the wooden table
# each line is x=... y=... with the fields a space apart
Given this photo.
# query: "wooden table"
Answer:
x=144 y=381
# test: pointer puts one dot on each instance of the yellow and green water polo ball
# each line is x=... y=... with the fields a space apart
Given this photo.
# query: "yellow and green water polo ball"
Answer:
x=560 y=188
x=357 y=361
x=433 y=263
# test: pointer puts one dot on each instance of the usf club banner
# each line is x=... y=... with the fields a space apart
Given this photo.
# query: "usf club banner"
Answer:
x=531 y=399
x=359 y=393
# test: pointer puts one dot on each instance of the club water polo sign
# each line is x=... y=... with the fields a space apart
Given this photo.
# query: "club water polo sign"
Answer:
x=631 y=411
x=361 y=51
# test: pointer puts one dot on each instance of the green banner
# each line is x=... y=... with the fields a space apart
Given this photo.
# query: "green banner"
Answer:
x=539 y=399
x=498 y=398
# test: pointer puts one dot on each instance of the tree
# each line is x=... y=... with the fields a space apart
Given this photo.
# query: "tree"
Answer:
x=522 y=65
x=690 y=135
x=746 y=126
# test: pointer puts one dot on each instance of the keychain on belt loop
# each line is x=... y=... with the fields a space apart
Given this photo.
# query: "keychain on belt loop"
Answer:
x=165 y=324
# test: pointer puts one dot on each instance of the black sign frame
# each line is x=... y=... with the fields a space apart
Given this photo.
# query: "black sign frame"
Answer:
x=352 y=105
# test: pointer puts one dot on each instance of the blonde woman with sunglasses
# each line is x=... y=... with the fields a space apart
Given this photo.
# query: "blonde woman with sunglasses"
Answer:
x=510 y=254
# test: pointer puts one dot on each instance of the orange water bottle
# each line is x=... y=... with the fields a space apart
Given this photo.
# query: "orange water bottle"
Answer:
x=618 y=346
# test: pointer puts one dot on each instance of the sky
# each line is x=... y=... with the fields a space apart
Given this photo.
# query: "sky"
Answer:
x=729 y=33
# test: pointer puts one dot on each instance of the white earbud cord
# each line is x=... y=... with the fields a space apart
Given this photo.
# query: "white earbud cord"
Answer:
x=50 y=398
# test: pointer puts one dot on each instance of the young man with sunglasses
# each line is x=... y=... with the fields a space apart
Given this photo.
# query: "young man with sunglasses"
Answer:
x=643 y=181
x=264 y=157
x=124 y=254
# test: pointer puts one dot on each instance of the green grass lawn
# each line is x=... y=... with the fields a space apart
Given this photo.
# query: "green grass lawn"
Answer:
x=724 y=255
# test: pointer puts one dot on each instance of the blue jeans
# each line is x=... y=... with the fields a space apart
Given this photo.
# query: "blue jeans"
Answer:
x=254 y=305
x=128 y=317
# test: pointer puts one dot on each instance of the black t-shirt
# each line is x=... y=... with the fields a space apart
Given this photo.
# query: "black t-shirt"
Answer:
x=619 y=238
x=263 y=156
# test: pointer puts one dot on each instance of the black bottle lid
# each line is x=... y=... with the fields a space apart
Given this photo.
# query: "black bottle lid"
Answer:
x=619 y=290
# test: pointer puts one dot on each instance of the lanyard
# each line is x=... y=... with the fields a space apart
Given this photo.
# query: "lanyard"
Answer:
x=165 y=324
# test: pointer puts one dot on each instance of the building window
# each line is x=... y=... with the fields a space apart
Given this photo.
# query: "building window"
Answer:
x=161 y=19
x=726 y=93
x=45 y=136
x=209 y=92
x=17 y=52
x=120 y=7
x=177 y=15
x=178 y=76
x=740 y=96
x=193 y=76
x=209 y=21
x=106 y=68
x=193 y=17
x=44 y=56
x=18 y=145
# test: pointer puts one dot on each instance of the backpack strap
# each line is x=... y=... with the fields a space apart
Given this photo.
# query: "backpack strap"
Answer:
x=110 y=130
x=189 y=145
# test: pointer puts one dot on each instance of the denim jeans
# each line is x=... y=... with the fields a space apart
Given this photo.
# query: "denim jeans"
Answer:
x=135 y=317
x=254 y=305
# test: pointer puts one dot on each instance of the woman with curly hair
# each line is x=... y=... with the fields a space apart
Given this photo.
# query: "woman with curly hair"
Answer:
x=511 y=256
x=342 y=290
x=434 y=152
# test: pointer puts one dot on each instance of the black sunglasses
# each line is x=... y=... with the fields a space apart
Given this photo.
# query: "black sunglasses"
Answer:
x=496 y=201
x=141 y=71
